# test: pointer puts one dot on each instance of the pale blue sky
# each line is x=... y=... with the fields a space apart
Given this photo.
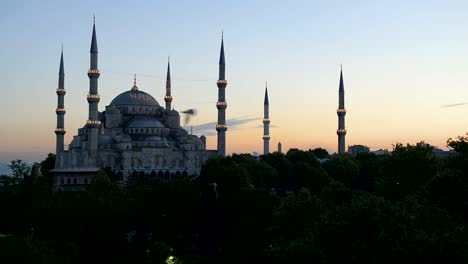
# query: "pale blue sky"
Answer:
x=402 y=60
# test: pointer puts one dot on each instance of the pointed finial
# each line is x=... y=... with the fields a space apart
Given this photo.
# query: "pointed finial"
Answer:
x=221 y=55
x=222 y=33
x=341 y=66
x=134 y=87
x=61 y=70
x=94 y=19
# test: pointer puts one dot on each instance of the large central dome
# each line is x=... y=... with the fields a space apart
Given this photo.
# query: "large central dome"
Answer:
x=134 y=97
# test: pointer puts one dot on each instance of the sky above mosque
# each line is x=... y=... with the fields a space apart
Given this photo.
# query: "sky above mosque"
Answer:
x=404 y=68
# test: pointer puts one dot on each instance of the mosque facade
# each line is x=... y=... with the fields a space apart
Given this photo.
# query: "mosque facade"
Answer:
x=133 y=134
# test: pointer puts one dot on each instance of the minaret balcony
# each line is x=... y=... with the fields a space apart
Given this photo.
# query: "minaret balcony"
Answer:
x=94 y=73
x=266 y=137
x=341 y=110
x=61 y=91
x=60 y=131
x=93 y=98
x=341 y=131
x=60 y=111
x=221 y=105
x=221 y=81
x=266 y=121
x=221 y=127
x=93 y=123
x=168 y=98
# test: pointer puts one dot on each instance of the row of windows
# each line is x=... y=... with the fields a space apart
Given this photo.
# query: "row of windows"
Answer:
x=140 y=110
x=73 y=180
x=145 y=130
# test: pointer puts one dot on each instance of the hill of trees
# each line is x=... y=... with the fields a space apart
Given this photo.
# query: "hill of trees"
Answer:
x=279 y=208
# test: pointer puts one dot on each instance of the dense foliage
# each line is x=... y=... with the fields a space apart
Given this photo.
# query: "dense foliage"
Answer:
x=298 y=207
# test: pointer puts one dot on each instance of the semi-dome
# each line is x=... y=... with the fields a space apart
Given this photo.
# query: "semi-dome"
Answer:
x=134 y=97
x=146 y=122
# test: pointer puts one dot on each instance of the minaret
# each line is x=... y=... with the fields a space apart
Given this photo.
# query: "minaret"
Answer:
x=60 y=110
x=93 y=122
x=341 y=112
x=279 y=147
x=266 y=124
x=168 y=97
x=221 y=104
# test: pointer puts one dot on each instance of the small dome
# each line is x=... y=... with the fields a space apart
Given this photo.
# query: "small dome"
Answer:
x=146 y=122
x=112 y=110
x=173 y=113
x=134 y=97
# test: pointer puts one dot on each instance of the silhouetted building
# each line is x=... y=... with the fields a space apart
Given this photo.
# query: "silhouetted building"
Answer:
x=381 y=152
x=356 y=149
x=444 y=154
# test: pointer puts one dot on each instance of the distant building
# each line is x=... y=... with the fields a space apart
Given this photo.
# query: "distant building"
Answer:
x=356 y=149
x=381 y=152
x=443 y=154
x=280 y=148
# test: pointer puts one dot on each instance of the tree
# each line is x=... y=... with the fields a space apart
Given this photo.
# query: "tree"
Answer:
x=295 y=155
x=460 y=144
x=406 y=170
x=20 y=169
x=320 y=153
x=343 y=168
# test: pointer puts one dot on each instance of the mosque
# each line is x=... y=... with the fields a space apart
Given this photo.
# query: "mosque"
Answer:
x=133 y=134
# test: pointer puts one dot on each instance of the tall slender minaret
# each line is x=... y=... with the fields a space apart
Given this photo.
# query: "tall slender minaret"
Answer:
x=221 y=127
x=60 y=110
x=279 y=148
x=168 y=97
x=93 y=122
x=266 y=124
x=341 y=112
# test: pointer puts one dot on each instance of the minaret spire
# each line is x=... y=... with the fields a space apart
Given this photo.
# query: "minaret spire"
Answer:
x=266 y=123
x=93 y=124
x=60 y=110
x=221 y=127
x=341 y=112
x=168 y=97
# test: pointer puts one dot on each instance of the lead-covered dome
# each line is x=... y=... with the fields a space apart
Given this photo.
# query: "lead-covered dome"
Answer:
x=134 y=97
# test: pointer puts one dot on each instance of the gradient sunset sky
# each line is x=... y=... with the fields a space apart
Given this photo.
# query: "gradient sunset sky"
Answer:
x=403 y=61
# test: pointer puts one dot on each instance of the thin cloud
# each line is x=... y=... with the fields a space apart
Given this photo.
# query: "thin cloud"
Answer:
x=234 y=124
x=261 y=126
x=453 y=105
